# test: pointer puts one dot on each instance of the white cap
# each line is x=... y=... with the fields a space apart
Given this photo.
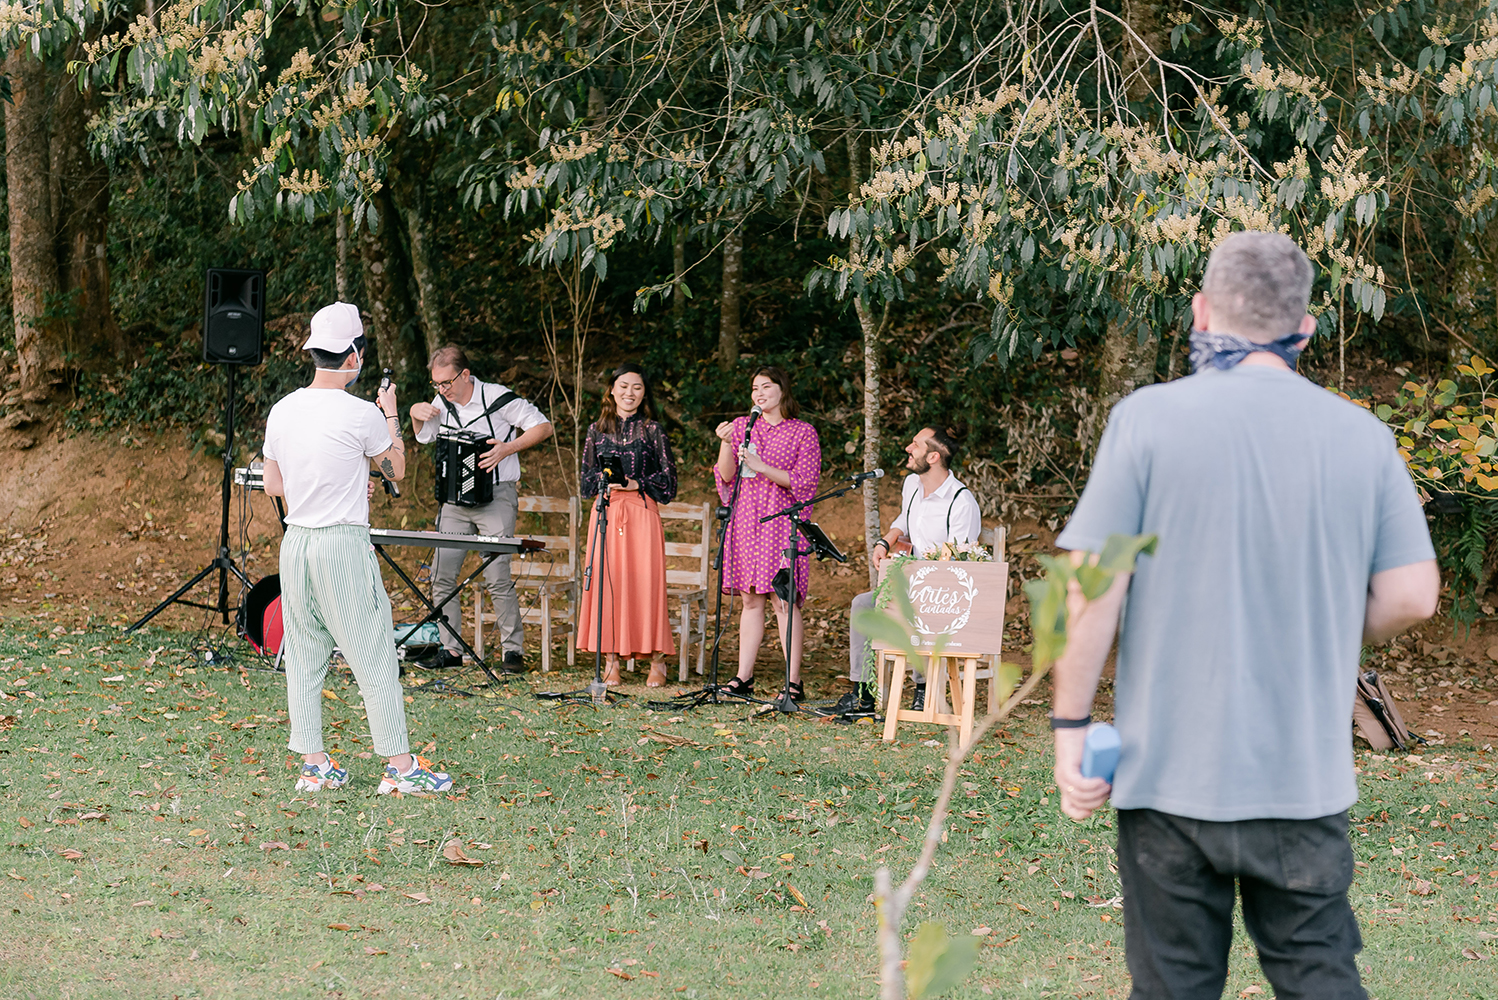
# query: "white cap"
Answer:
x=334 y=328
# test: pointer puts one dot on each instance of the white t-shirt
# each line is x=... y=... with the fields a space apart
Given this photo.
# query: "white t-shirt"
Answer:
x=518 y=414
x=944 y=516
x=323 y=440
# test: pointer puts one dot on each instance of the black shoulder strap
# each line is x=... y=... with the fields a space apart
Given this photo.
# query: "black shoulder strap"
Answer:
x=949 y=510
x=505 y=399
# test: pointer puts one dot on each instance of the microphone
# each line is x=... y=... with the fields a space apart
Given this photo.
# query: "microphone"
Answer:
x=753 y=416
x=865 y=476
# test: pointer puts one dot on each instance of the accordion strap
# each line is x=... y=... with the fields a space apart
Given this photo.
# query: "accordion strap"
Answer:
x=505 y=399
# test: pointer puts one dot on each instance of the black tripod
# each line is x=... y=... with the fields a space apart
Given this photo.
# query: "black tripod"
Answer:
x=596 y=693
x=712 y=692
x=222 y=562
x=784 y=582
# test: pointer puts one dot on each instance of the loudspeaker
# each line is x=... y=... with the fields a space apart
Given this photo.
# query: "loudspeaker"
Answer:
x=233 y=316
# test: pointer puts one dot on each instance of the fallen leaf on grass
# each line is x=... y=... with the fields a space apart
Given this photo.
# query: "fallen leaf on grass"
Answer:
x=420 y=897
x=7 y=721
x=652 y=975
x=374 y=951
x=1249 y=991
x=275 y=845
x=981 y=931
x=18 y=878
x=797 y=893
x=669 y=739
x=1092 y=978
x=94 y=815
x=72 y=854
x=620 y=973
x=26 y=824
x=1475 y=956
x=1098 y=901
x=453 y=852
x=143 y=902
x=752 y=872
x=1422 y=888
x=330 y=694
x=340 y=927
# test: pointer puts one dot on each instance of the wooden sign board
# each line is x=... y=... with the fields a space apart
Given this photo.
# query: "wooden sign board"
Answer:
x=960 y=604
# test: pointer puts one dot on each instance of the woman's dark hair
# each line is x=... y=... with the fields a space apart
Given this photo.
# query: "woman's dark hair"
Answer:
x=947 y=441
x=335 y=359
x=788 y=407
x=608 y=416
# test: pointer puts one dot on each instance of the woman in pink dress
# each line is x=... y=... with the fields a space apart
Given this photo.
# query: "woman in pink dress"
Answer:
x=781 y=466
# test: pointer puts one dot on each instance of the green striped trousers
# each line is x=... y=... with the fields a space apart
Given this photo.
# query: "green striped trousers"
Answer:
x=332 y=594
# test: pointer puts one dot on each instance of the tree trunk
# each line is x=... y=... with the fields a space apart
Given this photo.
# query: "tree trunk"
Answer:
x=870 y=329
x=418 y=227
x=33 y=254
x=340 y=264
x=678 y=288
x=387 y=302
x=728 y=324
x=80 y=211
x=1126 y=364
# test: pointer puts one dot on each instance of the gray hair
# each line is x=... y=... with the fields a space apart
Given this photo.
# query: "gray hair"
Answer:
x=1258 y=284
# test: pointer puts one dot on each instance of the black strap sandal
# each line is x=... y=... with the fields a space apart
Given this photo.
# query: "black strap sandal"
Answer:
x=798 y=693
x=739 y=686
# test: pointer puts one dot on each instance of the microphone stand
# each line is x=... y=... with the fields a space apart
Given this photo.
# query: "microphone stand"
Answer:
x=711 y=692
x=597 y=693
x=785 y=580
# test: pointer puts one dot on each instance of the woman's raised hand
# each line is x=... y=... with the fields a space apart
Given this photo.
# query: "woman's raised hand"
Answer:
x=724 y=430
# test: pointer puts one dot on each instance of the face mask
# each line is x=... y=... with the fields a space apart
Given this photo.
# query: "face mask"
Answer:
x=354 y=375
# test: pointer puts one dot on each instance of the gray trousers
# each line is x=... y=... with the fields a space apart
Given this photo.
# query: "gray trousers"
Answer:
x=496 y=518
x=860 y=655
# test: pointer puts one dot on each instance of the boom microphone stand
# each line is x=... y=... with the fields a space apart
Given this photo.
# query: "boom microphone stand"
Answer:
x=223 y=562
x=784 y=582
x=597 y=693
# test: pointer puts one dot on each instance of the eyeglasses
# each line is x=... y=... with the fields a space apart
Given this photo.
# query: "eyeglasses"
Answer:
x=439 y=386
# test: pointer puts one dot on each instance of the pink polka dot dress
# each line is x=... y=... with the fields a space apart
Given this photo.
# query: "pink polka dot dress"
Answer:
x=754 y=551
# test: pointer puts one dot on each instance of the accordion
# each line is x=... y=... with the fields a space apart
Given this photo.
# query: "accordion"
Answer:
x=459 y=480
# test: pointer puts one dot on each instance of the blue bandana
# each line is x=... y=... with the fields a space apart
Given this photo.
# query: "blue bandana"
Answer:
x=1224 y=350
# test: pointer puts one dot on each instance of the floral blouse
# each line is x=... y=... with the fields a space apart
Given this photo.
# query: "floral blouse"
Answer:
x=642 y=448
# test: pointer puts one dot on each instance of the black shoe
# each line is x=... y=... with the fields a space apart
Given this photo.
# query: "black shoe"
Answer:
x=798 y=693
x=738 y=686
x=443 y=660
x=918 y=699
x=856 y=703
x=513 y=663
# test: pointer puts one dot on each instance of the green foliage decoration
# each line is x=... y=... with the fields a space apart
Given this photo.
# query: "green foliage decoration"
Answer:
x=937 y=961
x=1093 y=576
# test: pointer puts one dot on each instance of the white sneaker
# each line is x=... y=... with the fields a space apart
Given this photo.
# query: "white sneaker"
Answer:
x=316 y=777
x=420 y=780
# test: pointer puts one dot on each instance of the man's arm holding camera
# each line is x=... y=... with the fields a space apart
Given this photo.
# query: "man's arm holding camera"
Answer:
x=391 y=461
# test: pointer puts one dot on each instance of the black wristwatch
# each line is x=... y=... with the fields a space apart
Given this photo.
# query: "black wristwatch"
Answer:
x=1085 y=720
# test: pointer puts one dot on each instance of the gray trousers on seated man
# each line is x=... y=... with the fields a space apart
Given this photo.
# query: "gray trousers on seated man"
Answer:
x=860 y=654
x=496 y=518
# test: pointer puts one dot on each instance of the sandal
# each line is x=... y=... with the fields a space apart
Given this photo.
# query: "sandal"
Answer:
x=657 y=676
x=798 y=693
x=611 y=676
x=739 y=686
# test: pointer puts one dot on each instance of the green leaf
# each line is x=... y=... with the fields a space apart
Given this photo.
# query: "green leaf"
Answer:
x=938 y=962
x=885 y=628
x=1120 y=551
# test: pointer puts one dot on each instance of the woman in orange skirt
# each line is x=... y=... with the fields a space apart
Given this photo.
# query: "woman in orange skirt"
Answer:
x=636 y=623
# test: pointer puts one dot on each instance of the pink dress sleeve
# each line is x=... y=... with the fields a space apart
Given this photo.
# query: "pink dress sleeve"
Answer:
x=806 y=472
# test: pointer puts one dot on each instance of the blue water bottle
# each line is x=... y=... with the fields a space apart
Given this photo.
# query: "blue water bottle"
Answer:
x=1100 y=751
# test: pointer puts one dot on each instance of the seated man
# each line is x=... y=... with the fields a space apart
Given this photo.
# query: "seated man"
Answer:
x=934 y=508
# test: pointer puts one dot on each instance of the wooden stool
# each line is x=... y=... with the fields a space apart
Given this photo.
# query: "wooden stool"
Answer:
x=960 y=674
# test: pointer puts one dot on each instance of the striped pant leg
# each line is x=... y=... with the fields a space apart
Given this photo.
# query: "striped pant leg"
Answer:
x=356 y=609
x=306 y=641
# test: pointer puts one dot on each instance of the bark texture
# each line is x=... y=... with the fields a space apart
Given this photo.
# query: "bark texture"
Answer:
x=388 y=304
x=871 y=328
x=80 y=212
x=1126 y=364
x=678 y=271
x=729 y=321
x=417 y=209
x=33 y=252
x=340 y=265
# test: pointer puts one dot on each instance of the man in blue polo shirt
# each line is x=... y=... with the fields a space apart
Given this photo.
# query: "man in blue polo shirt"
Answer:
x=1289 y=535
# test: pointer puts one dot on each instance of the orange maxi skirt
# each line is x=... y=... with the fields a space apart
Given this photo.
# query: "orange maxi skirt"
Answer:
x=636 y=620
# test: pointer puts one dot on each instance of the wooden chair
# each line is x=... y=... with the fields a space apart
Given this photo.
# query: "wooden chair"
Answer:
x=552 y=573
x=689 y=584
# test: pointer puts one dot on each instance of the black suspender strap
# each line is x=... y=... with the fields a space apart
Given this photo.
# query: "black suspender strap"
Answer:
x=504 y=400
x=949 y=510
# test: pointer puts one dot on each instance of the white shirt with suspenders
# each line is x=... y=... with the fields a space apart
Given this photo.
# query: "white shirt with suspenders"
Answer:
x=950 y=514
x=514 y=415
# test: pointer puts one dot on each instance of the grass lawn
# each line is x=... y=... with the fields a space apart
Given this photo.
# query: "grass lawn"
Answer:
x=154 y=848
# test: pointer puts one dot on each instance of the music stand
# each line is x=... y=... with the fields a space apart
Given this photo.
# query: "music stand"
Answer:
x=784 y=581
x=596 y=693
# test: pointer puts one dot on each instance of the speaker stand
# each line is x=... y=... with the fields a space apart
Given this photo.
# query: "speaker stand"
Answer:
x=223 y=562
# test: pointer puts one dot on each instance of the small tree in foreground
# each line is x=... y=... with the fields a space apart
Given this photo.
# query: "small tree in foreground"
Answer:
x=938 y=961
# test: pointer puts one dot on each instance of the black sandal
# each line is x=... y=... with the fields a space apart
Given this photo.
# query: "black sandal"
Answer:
x=739 y=686
x=798 y=693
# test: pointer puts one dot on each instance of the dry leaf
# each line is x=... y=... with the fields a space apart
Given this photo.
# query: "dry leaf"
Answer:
x=420 y=897
x=752 y=872
x=620 y=973
x=340 y=927
x=374 y=951
x=453 y=852
x=275 y=845
x=669 y=739
x=7 y=721
x=72 y=854
x=330 y=694
x=797 y=893
x=26 y=824
x=1251 y=991
x=1473 y=955
x=1422 y=887
x=18 y=878
x=143 y=902
x=94 y=815
x=981 y=931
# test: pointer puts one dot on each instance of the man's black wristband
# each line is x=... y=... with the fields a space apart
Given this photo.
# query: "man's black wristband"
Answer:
x=882 y=542
x=1085 y=720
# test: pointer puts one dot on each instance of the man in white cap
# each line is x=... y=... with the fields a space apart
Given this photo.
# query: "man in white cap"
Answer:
x=319 y=442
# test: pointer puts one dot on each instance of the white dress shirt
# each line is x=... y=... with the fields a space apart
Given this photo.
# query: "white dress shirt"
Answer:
x=950 y=514
x=519 y=415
